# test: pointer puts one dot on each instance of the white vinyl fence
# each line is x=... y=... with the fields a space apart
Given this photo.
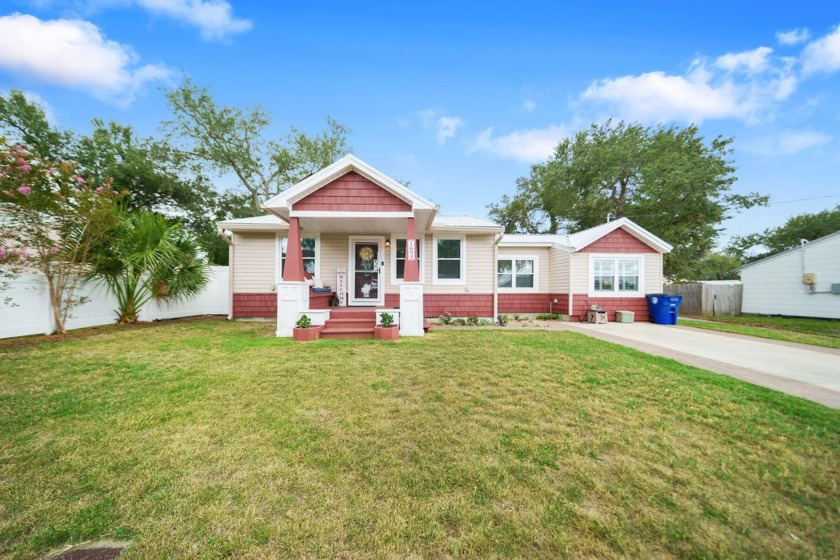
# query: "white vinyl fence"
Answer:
x=28 y=310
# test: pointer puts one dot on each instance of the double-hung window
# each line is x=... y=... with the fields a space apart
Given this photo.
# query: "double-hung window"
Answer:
x=399 y=255
x=309 y=245
x=616 y=276
x=516 y=273
x=449 y=260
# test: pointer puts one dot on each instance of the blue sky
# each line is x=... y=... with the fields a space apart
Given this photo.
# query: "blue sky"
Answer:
x=460 y=98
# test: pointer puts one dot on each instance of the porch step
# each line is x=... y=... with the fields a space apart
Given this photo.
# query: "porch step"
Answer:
x=367 y=323
x=360 y=314
x=347 y=332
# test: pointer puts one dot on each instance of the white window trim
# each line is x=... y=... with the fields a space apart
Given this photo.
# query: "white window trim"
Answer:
x=534 y=258
x=616 y=293
x=278 y=275
x=462 y=281
x=420 y=254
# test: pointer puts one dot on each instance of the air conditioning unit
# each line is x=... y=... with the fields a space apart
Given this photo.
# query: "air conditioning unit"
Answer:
x=835 y=289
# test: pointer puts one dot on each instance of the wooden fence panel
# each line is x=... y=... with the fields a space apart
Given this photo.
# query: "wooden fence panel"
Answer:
x=722 y=299
x=692 y=297
x=708 y=299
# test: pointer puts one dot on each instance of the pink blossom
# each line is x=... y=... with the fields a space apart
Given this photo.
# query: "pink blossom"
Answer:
x=80 y=180
x=53 y=250
x=7 y=193
x=25 y=167
x=24 y=190
x=99 y=190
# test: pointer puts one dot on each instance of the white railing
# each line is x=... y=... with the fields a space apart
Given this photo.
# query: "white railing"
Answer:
x=27 y=309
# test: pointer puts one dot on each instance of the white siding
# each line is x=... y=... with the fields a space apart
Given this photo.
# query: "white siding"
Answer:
x=559 y=274
x=333 y=256
x=481 y=268
x=254 y=262
x=653 y=273
x=774 y=286
x=579 y=266
x=541 y=255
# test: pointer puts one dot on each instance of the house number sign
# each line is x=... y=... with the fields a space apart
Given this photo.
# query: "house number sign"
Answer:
x=411 y=250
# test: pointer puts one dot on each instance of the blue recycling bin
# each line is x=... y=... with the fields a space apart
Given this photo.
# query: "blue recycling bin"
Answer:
x=664 y=308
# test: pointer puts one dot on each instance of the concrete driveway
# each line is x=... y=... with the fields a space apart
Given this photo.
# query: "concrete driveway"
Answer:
x=809 y=372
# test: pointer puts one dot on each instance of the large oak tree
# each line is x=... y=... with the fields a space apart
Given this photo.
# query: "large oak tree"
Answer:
x=669 y=180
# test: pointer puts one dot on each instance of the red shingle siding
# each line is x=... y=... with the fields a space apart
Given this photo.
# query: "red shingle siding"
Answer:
x=533 y=303
x=458 y=305
x=618 y=241
x=254 y=305
x=352 y=193
x=639 y=306
x=392 y=301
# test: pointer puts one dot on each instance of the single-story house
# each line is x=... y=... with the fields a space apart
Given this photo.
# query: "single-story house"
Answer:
x=800 y=282
x=355 y=227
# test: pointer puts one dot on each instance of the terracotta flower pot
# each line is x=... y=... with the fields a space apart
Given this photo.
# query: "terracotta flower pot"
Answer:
x=387 y=333
x=307 y=334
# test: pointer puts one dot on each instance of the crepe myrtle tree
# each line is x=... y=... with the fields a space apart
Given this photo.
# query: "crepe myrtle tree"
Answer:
x=51 y=221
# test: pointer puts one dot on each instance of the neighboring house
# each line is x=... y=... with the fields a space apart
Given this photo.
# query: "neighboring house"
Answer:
x=354 y=222
x=800 y=282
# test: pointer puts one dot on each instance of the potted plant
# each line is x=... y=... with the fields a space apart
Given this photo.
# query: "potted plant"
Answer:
x=303 y=330
x=387 y=330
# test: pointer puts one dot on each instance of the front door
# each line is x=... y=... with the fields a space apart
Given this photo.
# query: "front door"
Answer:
x=366 y=263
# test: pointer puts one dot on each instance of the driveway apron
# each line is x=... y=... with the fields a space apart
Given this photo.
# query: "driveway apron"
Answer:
x=809 y=372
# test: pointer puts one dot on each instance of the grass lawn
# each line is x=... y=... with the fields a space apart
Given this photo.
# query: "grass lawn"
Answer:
x=817 y=332
x=217 y=439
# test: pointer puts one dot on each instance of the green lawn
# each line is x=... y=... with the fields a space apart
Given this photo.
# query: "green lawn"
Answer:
x=217 y=439
x=817 y=332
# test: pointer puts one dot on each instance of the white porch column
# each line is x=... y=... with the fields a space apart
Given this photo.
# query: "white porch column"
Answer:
x=292 y=300
x=411 y=309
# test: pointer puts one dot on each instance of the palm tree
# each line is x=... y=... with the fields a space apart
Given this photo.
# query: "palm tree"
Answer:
x=149 y=258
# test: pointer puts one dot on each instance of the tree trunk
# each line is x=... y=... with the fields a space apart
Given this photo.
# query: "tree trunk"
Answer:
x=55 y=303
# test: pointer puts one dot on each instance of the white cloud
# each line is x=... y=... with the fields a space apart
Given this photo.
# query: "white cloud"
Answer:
x=793 y=37
x=745 y=85
x=823 y=54
x=446 y=128
x=787 y=143
x=73 y=53
x=529 y=146
x=214 y=18
x=754 y=61
x=529 y=105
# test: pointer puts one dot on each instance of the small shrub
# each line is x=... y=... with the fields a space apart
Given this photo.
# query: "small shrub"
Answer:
x=387 y=319
x=472 y=321
x=516 y=317
x=304 y=322
x=503 y=319
x=445 y=319
x=548 y=317
x=459 y=322
x=484 y=323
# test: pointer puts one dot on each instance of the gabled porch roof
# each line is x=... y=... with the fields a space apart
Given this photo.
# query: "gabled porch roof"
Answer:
x=401 y=203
